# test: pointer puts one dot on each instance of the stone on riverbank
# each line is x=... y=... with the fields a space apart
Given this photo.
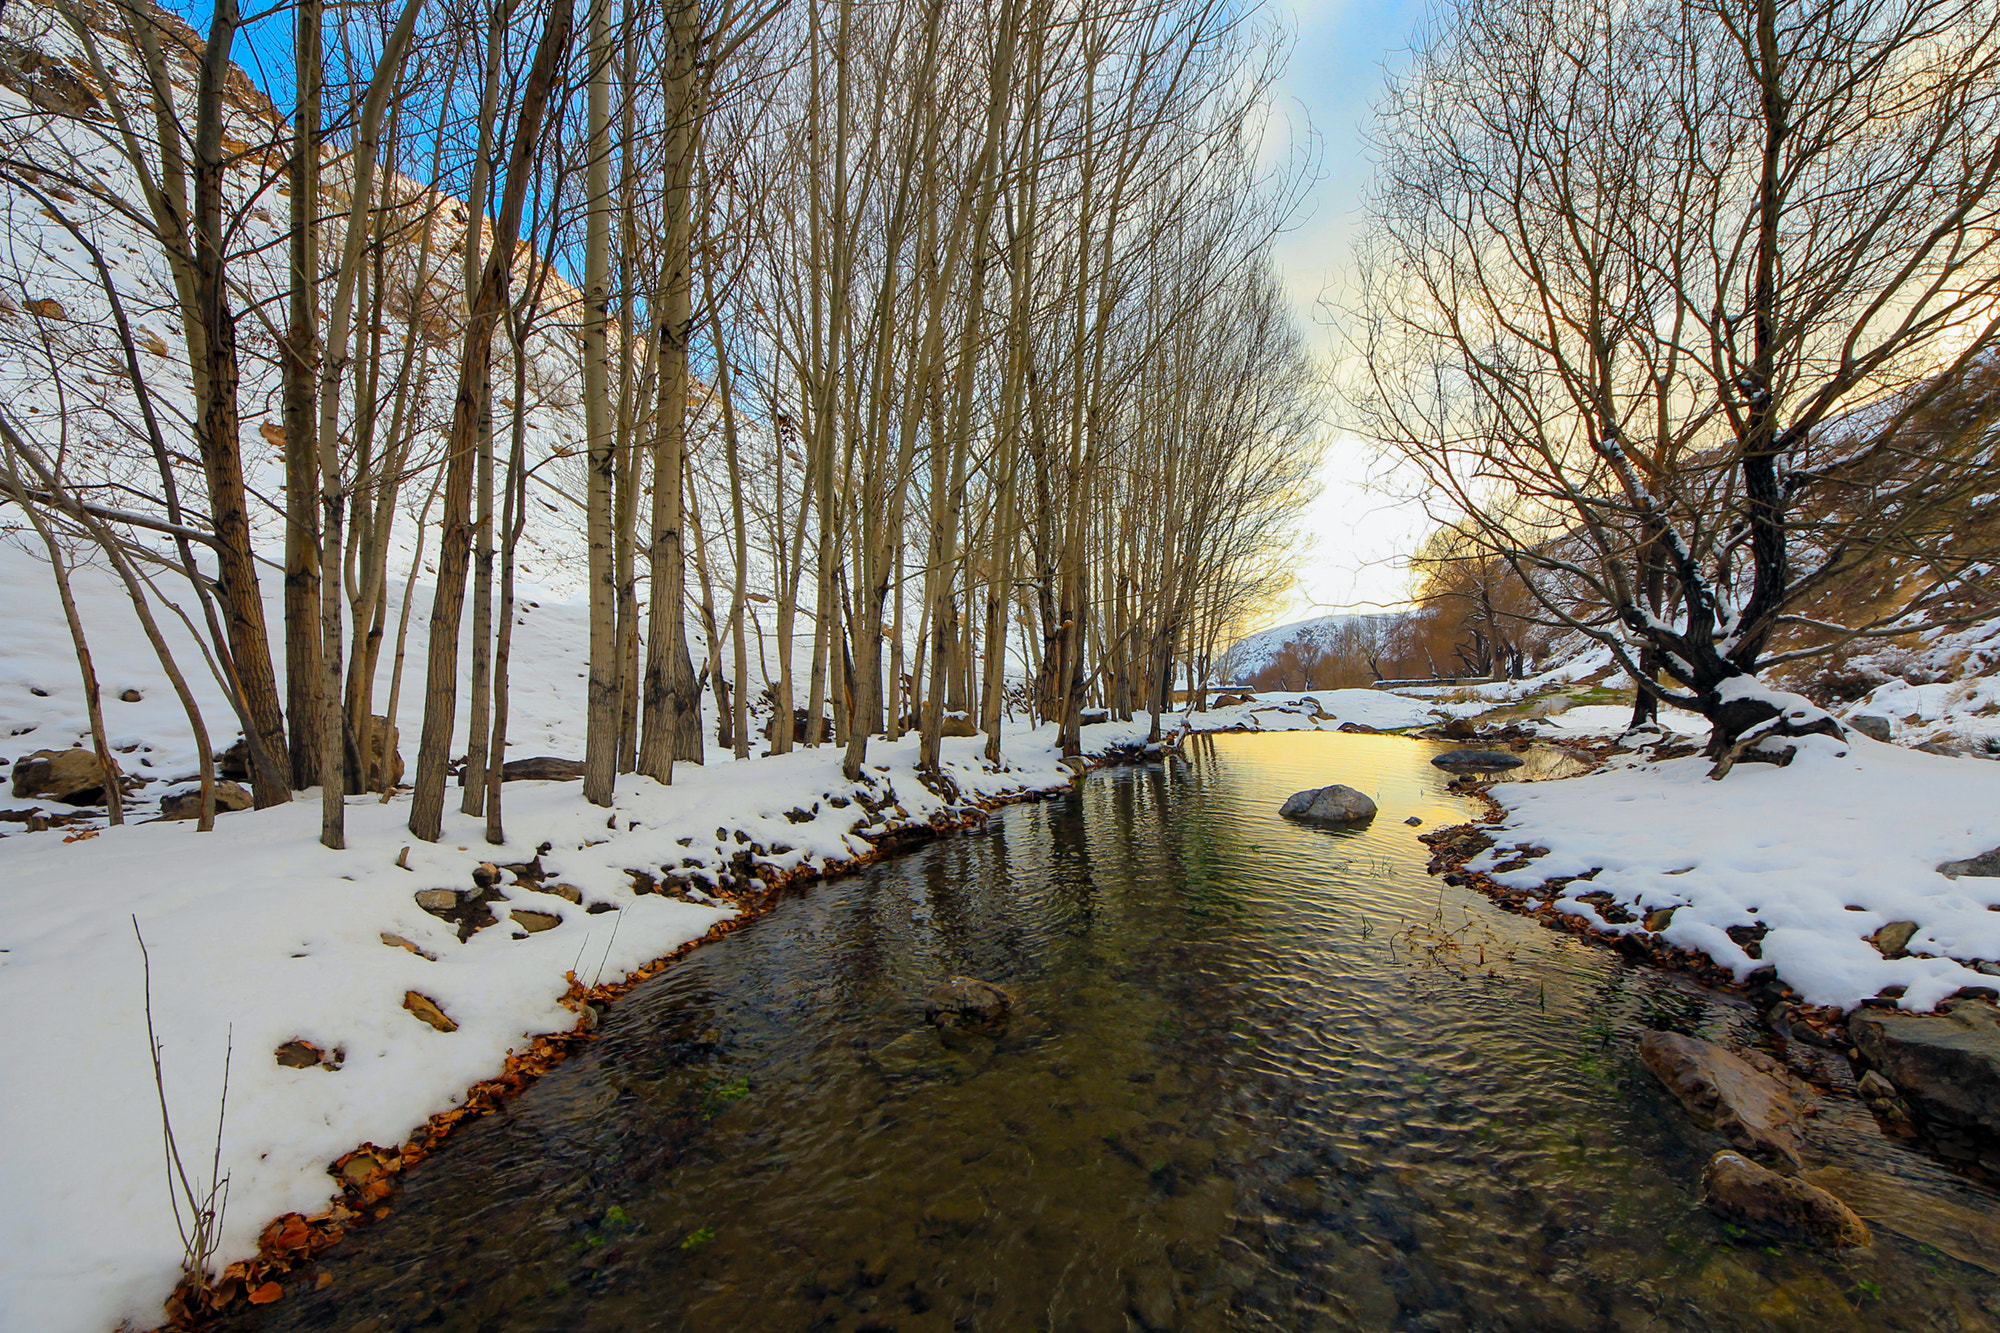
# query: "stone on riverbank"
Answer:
x=1745 y=1098
x=1947 y=1063
x=1338 y=804
x=1739 y=1189
x=1478 y=761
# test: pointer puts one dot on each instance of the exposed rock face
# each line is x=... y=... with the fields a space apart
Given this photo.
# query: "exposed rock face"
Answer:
x=1229 y=700
x=1337 y=804
x=1947 y=1063
x=1873 y=727
x=1738 y=1188
x=958 y=724
x=74 y=777
x=1478 y=761
x=544 y=768
x=534 y=922
x=967 y=1002
x=187 y=804
x=1745 y=1098
x=1984 y=865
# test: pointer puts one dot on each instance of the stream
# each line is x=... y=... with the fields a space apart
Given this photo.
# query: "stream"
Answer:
x=1258 y=1076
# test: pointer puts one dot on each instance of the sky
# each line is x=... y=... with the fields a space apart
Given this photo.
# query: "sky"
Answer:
x=1356 y=528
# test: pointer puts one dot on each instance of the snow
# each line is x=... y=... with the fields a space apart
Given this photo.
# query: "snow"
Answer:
x=259 y=936
x=1253 y=652
x=1823 y=853
x=1323 y=710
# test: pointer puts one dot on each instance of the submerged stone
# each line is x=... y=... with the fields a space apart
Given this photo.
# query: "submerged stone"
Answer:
x=1745 y=1098
x=966 y=1002
x=1738 y=1188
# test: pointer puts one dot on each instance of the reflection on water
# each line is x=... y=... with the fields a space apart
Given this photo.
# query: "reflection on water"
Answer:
x=1260 y=1076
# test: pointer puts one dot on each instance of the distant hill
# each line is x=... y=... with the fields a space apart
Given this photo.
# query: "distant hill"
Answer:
x=1325 y=635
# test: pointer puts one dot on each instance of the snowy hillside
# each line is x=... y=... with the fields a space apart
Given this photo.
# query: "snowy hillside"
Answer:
x=1254 y=652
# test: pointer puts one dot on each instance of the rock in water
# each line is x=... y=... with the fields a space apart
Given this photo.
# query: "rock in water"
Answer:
x=74 y=777
x=1337 y=804
x=1948 y=1063
x=1738 y=1188
x=1745 y=1098
x=966 y=1002
x=1478 y=761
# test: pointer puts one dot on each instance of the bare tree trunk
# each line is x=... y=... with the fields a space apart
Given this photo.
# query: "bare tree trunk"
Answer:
x=301 y=371
x=441 y=692
x=600 y=749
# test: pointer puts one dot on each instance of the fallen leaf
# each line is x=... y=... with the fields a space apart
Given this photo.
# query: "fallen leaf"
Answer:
x=267 y=1293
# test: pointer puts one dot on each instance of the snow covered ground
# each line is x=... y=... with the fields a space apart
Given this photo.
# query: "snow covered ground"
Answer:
x=1822 y=854
x=259 y=937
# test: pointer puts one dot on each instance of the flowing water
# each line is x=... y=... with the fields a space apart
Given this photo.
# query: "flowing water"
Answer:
x=1259 y=1076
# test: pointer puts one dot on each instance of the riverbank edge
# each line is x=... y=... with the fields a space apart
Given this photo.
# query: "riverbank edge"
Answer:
x=1454 y=846
x=366 y=1175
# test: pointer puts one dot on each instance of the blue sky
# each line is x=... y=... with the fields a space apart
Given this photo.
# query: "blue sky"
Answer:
x=1335 y=78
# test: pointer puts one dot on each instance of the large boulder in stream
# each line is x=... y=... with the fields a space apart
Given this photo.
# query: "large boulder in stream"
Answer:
x=1745 y=1098
x=1739 y=1189
x=1477 y=761
x=1337 y=804
x=1948 y=1063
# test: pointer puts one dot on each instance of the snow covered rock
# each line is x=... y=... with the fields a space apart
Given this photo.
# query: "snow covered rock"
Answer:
x=1337 y=804
x=1986 y=864
x=1738 y=1188
x=74 y=777
x=1948 y=1063
x=1486 y=761
x=1873 y=727
x=1745 y=1098
x=185 y=802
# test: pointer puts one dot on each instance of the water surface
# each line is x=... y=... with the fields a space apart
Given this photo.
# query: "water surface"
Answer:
x=1259 y=1077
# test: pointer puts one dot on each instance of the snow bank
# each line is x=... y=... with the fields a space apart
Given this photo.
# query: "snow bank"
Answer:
x=1823 y=854
x=259 y=936
x=1317 y=710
